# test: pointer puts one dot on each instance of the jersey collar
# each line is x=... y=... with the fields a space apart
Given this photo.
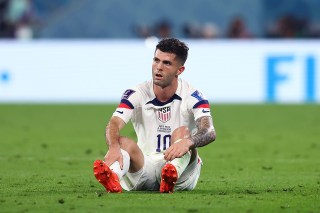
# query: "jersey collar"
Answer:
x=156 y=103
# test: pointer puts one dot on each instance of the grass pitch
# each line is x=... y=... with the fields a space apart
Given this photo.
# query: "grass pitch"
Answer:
x=266 y=159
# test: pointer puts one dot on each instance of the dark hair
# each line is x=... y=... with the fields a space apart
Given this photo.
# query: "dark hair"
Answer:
x=173 y=45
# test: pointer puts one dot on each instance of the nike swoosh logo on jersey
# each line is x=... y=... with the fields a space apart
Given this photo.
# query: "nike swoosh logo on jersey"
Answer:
x=121 y=112
x=205 y=111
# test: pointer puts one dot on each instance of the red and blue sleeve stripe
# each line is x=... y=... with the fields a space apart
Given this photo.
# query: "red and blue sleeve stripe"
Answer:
x=202 y=104
x=125 y=104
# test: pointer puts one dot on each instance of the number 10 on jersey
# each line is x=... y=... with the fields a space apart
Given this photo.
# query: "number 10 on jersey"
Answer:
x=163 y=142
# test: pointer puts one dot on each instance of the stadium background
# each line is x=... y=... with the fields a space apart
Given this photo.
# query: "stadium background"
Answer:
x=65 y=63
x=265 y=47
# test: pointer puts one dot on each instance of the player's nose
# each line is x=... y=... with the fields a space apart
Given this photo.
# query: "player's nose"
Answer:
x=159 y=66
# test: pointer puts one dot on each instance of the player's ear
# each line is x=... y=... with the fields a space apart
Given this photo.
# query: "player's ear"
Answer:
x=180 y=70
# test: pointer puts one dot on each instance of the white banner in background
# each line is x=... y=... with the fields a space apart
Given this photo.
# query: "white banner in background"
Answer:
x=253 y=71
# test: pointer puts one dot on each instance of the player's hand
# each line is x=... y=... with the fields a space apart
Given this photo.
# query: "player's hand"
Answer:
x=177 y=149
x=113 y=155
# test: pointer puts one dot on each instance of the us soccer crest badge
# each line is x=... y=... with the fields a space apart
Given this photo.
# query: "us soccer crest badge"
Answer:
x=164 y=114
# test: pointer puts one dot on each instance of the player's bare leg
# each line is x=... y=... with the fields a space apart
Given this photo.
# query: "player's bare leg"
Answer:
x=135 y=153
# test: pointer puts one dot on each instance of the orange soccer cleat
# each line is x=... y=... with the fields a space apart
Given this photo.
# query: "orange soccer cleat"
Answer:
x=106 y=176
x=169 y=177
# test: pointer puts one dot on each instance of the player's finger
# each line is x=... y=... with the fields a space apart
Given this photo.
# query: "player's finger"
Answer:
x=180 y=155
x=172 y=155
x=167 y=152
x=168 y=155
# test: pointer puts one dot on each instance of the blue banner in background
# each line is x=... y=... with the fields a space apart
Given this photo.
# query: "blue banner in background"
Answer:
x=276 y=78
x=225 y=71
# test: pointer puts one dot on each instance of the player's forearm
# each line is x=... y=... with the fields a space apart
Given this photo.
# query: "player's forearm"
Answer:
x=112 y=133
x=205 y=133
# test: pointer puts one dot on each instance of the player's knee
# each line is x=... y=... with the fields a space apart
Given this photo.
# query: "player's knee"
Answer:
x=130 y=146
x=127 y=144
x=179 y=133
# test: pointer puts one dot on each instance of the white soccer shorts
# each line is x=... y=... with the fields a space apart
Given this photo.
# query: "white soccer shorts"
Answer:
x=149 y=177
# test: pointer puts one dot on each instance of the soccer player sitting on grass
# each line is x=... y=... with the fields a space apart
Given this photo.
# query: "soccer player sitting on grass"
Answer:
x=171 y=119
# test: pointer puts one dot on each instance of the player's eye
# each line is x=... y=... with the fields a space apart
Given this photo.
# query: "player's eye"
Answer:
x=167 y=62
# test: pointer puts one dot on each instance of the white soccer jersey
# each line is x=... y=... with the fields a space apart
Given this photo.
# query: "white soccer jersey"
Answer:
x=154 y=121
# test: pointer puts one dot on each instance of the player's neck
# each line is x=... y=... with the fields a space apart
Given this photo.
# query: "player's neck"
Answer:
x=163 y=94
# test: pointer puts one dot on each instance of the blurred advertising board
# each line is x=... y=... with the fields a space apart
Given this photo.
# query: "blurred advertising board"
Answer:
x=226 y=71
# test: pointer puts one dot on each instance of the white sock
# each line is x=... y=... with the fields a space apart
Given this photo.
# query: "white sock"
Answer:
x=126 y=163
x=181 y=163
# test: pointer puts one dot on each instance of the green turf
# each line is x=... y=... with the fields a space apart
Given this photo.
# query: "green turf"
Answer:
x=266 y=159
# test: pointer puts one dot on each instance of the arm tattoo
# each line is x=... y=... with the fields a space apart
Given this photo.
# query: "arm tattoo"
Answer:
x=205 y=133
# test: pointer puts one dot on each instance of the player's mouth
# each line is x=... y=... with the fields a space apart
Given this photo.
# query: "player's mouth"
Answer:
x=158 y=76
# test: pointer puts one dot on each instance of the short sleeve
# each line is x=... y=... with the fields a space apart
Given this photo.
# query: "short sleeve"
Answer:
x=199 y=105
x=129 y=101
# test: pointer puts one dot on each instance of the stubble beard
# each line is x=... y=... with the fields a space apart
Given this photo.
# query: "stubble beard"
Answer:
x=165 y=81
x=161 y=83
